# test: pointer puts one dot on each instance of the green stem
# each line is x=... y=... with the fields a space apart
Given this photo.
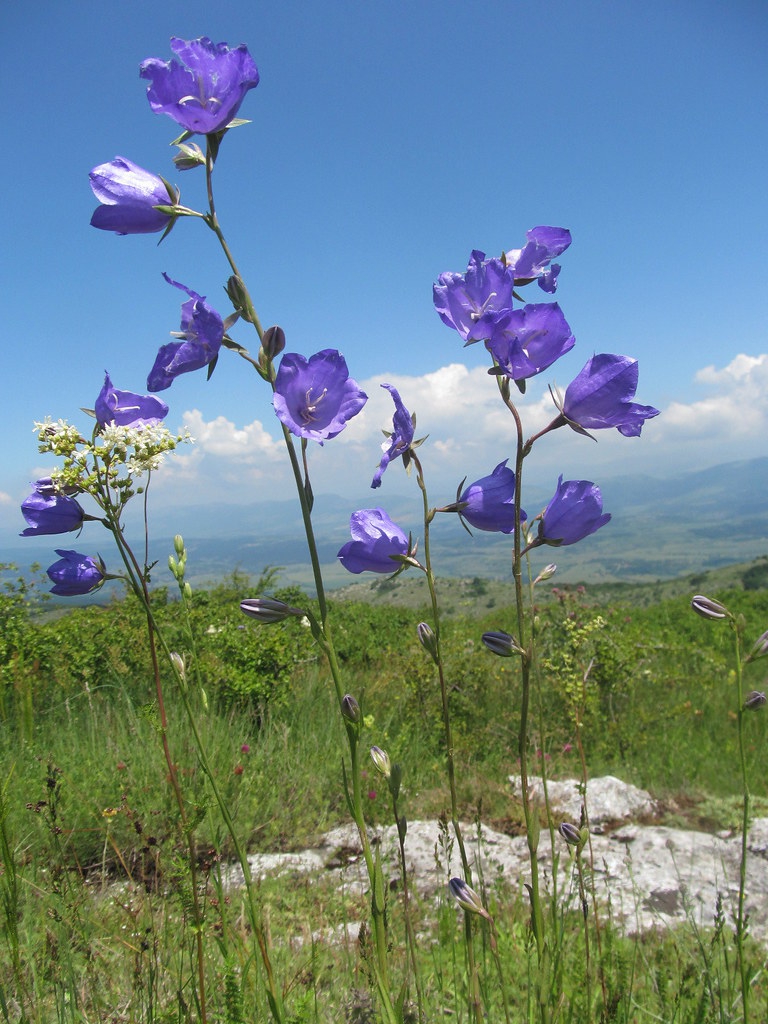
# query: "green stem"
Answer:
x=740 y=917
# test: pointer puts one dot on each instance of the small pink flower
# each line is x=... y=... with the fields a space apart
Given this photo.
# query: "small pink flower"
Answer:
x=371 y=794
x=567 y=748
x=245 y=749
x=238 y=769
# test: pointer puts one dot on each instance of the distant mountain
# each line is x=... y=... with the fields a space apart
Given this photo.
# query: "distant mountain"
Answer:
x=661 y=528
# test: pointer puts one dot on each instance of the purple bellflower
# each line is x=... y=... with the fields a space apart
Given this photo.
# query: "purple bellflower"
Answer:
x=489 y=503
x=126 y=409
x=526 y=341
x=462 y=299
x=399 y=441
x=128 y=195
x=375 y=538
x=601 y=397
x=203 y=92
x=314 y=398
x=575 y=511
x=534 y=260
x=75 y=574
x=201 y=334
x=48 y=512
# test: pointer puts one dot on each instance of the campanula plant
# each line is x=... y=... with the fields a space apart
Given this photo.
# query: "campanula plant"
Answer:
x=314 y=397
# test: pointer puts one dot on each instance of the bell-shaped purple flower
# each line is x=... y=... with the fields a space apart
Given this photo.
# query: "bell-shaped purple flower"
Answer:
x=201 y=334
x=126 y=409
x=462 y=299
x=489 y=503
x=49 y=512
x=601 y=396
x=203 y=92
x=375 y=539
x=128 y=195
x=534 y=260
x=316 y=397
x=401 y=437
x=526 y=341
x=575 y=511
x=75 y=574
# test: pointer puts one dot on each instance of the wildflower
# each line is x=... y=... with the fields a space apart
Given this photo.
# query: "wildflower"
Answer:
x=377 y=543
x=203 y=92
x=126 y=409
x=315 y=397
x=201 y=334
x=399 y=441
x=534 y=260
x=601 y=396
x=49 y=512
x=489 y=503
x=575 y=511
x=128 y=195
x=75 y=574
x=526 y=341
x=461 y=300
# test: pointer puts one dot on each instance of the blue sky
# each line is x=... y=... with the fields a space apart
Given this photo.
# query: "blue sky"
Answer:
x=387 y=141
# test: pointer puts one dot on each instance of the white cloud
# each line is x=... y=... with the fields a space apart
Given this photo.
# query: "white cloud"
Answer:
x=470 y=431
x=6 y=499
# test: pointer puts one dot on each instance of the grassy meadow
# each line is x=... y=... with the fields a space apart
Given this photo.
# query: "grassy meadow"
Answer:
x=97 y=895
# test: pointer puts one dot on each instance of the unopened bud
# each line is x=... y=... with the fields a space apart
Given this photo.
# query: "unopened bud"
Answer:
x=467 y=898
x=427 y=639
x=350 y=709
x=502 y=644
x=187 y=592
x=190 y=155
x=178 y=545
x=546 y=573
x=708 y=608
x=178 y=663
x=572 y=834
x=273 y=341
x=267 y=610
x=381 y=761
x=760 y=648
x=238 y=296
x=754 y=700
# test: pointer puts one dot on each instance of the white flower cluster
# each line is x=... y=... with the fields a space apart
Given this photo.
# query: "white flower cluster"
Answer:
x=140 y=449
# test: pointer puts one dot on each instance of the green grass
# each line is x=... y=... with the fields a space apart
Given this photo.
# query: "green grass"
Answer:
x=96 y=921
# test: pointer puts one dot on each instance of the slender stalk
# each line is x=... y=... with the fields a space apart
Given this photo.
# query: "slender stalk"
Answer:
x=740 y=915
x=322 y=633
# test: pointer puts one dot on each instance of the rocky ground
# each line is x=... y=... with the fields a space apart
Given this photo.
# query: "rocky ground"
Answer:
x=645 y=875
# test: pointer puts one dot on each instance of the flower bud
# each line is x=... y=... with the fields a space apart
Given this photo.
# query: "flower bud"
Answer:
x=381 y=761
x=467 y=898
x=273 y=341
x=190 y=155
x=546 y=573
x=502 y=644
x=572 y=834
x=350 y=709
x=238 y=296
x=178 y=663
x=760 y=648
x=267 y=610
x=427 y=639
x=708 y=608
x=754 y=700
x=178 y=545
